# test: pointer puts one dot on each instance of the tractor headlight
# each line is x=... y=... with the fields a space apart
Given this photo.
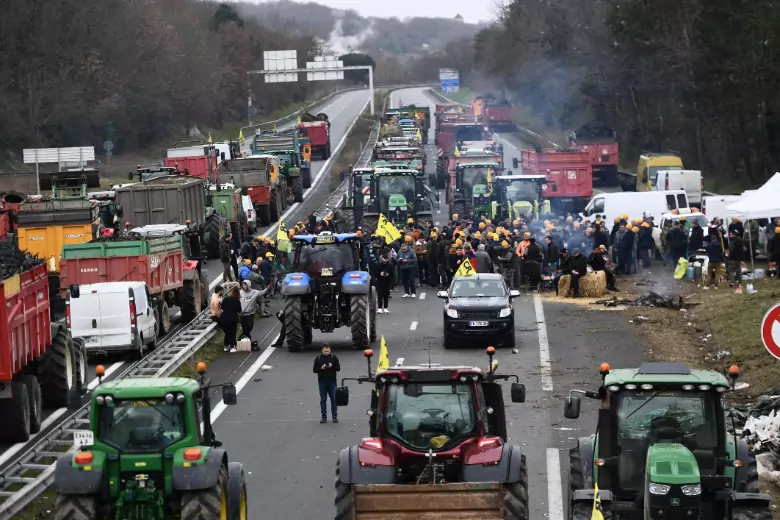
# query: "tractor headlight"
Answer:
x=630 y=386
x=109 y=400
x=692 y=490
x=100 y=399
x=180 y=398
x=505 y=312
x=452 y=313
x=613 y=388
x=169 y=398
x=704 y=388
x=658 y=489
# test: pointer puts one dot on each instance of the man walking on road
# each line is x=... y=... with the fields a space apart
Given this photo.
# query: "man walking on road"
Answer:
x=326 y=366
x=225 y=254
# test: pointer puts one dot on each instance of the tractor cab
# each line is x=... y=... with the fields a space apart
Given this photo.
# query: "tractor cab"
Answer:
x=663 y=447
x=325 y=257
x=474 y=186
x=430 y=421
x=517 y=196
x=400 y=195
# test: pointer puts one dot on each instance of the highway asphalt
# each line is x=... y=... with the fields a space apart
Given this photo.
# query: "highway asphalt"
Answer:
x=290 y=457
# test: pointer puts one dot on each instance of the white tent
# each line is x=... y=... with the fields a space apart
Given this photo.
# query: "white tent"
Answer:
x=763 y=203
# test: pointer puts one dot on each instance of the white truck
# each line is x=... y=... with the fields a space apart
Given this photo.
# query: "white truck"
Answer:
x=636 y=205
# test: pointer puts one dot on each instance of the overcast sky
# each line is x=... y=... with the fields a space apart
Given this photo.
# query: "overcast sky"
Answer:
x=470 y=10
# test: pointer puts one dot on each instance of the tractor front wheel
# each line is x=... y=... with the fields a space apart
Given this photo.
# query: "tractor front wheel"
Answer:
x=345 y=507
x=516 y=495
x=206 y=504
x=237 y=499
x=211 y=236
x=75 y=507
x=751 y=512
x=293 y=323
x=297 y=189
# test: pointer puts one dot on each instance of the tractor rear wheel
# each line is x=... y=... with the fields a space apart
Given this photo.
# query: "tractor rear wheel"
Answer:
x=306 y=177
x=297 y=189
x=34 y=397
x=370 y=225
x=347 y=216
x=360 y=321
x=516 y=495
x=211 y=236
x=459 y=208
x=75 y=507
x=345 y=508
x=237 y=498
x=190 y=302
x=751 y=512
x=206 y=504
x=80 y=362
x=56 y=371
x=576 y=480
x=293 y=323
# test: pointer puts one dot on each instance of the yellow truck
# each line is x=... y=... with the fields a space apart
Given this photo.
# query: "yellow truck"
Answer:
x=647 y=170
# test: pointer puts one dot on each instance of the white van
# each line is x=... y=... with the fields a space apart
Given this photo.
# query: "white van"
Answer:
x=689 y=180
x=112 y=317
x=636 y=205
x=715 y=206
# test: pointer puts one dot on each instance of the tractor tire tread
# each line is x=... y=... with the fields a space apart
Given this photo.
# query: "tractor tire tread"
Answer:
x=211 y=232
x=751 y=512
x=345 y=508
x=359 y=316
x=293 y=323
x=516 y=495
x=187 y=300
x=54 y=371
x=75 y=507
x=205 y=504
x=297 y=189
x=34 y=397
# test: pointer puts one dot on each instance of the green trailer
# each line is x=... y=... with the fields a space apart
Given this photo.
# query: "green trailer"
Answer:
x=226 y=201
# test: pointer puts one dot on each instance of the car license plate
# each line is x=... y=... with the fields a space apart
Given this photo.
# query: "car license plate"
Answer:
x=91 y=341
x=478 y=324
x=83 y=438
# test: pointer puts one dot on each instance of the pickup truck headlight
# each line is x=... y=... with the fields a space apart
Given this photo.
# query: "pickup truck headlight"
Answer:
x=505 y=312
x=452 y=313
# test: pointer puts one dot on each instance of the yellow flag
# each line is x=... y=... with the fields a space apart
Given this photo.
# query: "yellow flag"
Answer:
x=457 y=152
x=384 y=356
x=465 y=269
x=299 y=120
x=210 y=141
x=241 y=135
x=419 y=135
x=282 y=240
x=596 y=514
x=386 y=229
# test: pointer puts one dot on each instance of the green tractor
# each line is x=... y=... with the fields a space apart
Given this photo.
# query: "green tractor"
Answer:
x=517 y=196
x=355 y=199
x=662 y=449
x=399 y=195
x=226 y=201
x=145 y=456
x=474 y=187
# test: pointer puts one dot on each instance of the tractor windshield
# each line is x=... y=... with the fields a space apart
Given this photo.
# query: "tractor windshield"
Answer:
x=474 y=176
x=470 y=133
x=426 y=416
x=521 y=191
x=395 y=192
x=646 y=417
x=141 y=425
x=326 y=261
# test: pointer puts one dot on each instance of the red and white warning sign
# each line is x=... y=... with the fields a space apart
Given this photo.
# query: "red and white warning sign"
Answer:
x=770 y=330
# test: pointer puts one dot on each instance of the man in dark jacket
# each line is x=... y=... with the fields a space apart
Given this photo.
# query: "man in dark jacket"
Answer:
x=676 y=239
x=598 y=262
x=714 y=250
x=442 y=258
x=578 y=268
x=326 y=366
x=736 y=257
x=249 y=250
x=225 y=254
x=432 y=256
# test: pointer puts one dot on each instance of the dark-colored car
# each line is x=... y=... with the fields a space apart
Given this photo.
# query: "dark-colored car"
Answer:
x=478 y=311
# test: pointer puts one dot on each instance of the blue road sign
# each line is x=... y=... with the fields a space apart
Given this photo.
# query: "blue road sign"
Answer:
x=450 y=85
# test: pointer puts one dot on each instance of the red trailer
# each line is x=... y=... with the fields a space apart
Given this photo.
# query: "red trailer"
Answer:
x=194 y=166
x=159 y=261
x=39 y=362
x=601 y=144
x=318 y=133
x=569 y=177
x=498 y=117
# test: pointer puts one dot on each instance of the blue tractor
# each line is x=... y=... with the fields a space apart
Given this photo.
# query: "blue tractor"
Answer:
x=325 y=290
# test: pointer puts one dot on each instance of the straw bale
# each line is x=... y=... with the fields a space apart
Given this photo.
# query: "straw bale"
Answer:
x=592 y=285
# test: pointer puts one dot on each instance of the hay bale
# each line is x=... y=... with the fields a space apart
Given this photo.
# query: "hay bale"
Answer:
x=592 y=285
x=390 y=131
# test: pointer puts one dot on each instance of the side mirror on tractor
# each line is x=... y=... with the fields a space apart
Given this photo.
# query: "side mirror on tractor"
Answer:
x=229 y=394
x=515 y=162
x=571 y=407
x=518 y=392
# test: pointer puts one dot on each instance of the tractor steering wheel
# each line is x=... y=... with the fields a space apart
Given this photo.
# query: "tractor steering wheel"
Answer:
x=433 y=412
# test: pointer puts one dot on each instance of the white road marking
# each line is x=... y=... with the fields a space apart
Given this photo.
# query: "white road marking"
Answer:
x=248 y=375
x=413 y=326
x=399 y=362
x=544 y=346
x=422 y=296
x=314 y=183
x=56 y=414
x=554 y=490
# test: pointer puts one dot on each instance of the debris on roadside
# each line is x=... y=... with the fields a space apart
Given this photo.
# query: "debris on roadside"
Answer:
x=649 y=299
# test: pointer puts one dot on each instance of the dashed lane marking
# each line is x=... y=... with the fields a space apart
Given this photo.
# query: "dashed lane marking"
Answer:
x=544 y=346
x=413 y=326
x=422 y=296
x=554 y=493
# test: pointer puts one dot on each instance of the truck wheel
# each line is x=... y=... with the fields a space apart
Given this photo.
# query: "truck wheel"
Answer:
x=263 y=215
x=273 y=208
x=206 y=504
x=345 y=508
x=211 y=236
x=360 y=321
x=293 y=323
x=164 y=316
x=237 y=499
x=370 y=224
x=328 y=152
x=16 y=415
x=80 y=362
x=34 y=397
x=298 y=189
x=459 y=208
x=306 y=176
x=372 y=332
x=190 y=302
x=348 y=217
x=751 y=512
x=75 y=507
x=57 y=372
x=516 y=495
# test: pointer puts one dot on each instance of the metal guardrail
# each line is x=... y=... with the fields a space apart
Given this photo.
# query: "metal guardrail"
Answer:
x=31 y=472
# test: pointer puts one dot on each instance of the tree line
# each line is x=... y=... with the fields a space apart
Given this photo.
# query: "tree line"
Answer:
x=696 y=77
x=79 y=72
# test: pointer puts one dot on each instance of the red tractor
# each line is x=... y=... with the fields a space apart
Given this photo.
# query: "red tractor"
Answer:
x=437 y=446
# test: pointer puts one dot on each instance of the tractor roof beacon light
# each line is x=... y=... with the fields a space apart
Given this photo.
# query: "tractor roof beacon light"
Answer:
x=604 y=370
x=490 y=351
x=369 y=354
